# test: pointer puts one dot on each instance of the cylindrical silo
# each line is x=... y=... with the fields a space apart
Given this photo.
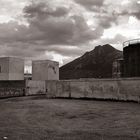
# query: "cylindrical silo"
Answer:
x=131 y=55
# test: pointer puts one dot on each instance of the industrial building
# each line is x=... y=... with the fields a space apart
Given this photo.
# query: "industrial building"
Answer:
x=129 y=66
x=45 y=70
x=11 y=68
x=131 y=55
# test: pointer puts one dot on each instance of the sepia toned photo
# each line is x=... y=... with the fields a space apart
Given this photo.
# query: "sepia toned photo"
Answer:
x=69 y=70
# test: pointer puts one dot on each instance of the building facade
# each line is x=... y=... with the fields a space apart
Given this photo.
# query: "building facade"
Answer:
x=11 y=68
x=45 y=70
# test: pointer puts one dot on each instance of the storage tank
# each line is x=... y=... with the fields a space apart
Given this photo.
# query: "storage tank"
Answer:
x=131 y=55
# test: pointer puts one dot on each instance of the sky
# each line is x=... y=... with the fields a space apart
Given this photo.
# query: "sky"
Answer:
x=62 y=30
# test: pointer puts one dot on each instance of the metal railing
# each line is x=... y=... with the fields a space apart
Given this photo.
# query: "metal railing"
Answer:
x=129 y=42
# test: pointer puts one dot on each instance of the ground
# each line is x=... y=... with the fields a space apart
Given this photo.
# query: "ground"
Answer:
x=38 y=118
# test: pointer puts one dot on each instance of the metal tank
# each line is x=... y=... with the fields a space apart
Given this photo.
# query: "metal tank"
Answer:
x=131 y=55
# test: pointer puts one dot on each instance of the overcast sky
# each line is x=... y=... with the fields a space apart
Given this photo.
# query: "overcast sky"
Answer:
x=62 y=30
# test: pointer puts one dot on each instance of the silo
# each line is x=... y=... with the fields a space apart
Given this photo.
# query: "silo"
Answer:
x=131 y=55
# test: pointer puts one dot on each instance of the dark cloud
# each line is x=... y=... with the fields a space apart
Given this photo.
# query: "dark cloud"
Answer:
x=70 y=30
x=106 y=20
x=135 y=13
x=12 y=32
x=42 y=10
x=90 y=4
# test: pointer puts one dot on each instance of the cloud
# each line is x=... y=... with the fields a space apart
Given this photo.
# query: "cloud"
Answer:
x=63 y=28
x=69 y=51
x=59 y=27
x=125 y=7
x=106 y=20
x=10 y=9
x=50 y=28
x=90 y=4
x=43 y=9
x=118 y=39
x=102 y=11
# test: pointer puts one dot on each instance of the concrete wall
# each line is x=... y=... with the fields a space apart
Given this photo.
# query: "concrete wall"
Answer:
x=119 y=89
x=35 y=87
x=16 y=69
x=4 y=68
x=11 y=68
x=12 y=88
x=116 y=89
x=58 y=89
x=45 y=70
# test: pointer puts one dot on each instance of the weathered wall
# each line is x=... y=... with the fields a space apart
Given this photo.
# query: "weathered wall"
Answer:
x=4 y=68
x=45 y=70
x=35 y=87
x=58 y=89
x=130 y=89
x=119 y=89
x=12 y=88
x=11 y=68
x=16 y=69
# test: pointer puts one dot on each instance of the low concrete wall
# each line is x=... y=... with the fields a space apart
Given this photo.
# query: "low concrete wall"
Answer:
x=130 y=89
x=117 y=89
x=12 y=88
x=35 y=87
x=94 y=89
x=58 y=89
